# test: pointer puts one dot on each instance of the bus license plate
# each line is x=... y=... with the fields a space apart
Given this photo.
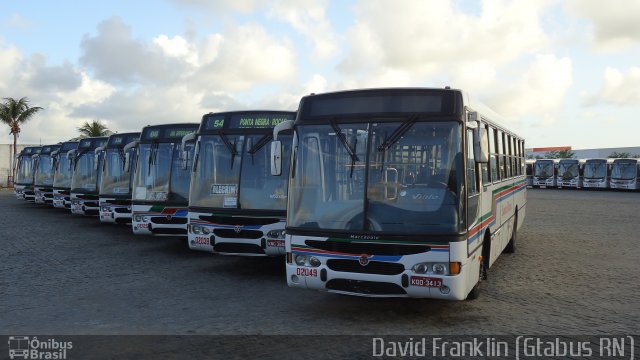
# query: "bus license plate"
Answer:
x=425 y=281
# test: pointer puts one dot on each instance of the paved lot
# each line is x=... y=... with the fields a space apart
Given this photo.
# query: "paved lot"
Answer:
x=575 y=271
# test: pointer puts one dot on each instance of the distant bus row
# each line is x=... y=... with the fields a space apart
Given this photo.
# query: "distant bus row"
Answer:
x=623 y=174
x=375 y=192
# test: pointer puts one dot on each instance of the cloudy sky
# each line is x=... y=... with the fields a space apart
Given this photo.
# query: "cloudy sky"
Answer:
x=562 y=72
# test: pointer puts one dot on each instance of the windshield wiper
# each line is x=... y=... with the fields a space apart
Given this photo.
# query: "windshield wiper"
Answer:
x=231 y=147
x=397 y=133
x=122 y=157
x=153 y=151
x=343 y=140
x=259 y=145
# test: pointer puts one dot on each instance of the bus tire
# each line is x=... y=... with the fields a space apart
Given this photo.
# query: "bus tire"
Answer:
x=511 y=245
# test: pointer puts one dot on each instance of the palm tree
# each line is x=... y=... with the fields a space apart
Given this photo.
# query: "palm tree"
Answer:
x=15 y=113
x=94 y=128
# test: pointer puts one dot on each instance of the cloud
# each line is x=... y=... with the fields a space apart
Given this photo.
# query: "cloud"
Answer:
x=308 y=17
x=221 y=6
x=619 y=88
x=53 y=78
x=16 y=21
x=114 y=56
x=541 y=89
x=243 y=58
x=615 y=23
x=428 y=37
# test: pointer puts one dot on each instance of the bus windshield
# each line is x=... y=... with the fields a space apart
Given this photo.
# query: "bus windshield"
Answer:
x=159 y=175
x=24 y=172
x=595 y=170
x=85 y=175
x=44 y=171
x=568 y=170
x=395 y=177
x=543 y=169
x=233 y=171
x=114 y=178
x=623 y=170
x=62 y=177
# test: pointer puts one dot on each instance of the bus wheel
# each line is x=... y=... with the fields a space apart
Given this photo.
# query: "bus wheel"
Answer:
x=511 y=246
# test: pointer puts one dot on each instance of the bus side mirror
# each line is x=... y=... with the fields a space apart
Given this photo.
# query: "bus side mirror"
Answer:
x=481 y=145
x=276 y=158
x=185 y=148
x=185 y=155
x=127 y=162
x=96 y=156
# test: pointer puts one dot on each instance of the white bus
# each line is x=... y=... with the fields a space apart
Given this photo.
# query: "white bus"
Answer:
x=63 y=171
x=569 y=174
x=399 y=192
x=86 y=161
x=529 y=171
x=624 y=174
x=544 y=173
x=236 y=207
x=160 y=196
x=23 y=184
x=43 y=175
x=596 y=173
x=115 y=181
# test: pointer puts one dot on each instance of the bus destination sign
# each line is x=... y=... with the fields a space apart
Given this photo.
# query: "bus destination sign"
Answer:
x=247 y=121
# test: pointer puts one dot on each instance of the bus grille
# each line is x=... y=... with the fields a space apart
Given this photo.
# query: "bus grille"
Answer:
x=358 y=248
x=365 y=287
x=242 y=234
x=373 y=267
x=172 y=220
x=234 y=248
x=238 y=220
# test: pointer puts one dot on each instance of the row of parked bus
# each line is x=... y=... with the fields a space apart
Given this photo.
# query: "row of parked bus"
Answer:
x=374 y=192
x=622 y=174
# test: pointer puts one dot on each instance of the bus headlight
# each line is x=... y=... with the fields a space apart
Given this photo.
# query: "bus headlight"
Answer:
x=452 y=268
x=306 y=260
x=106 y=209
x=439 y=269
x=200 y=230
x=276 y=234
x=137 y=218
x=421 y=268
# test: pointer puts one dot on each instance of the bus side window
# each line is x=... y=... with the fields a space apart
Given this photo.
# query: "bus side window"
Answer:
x=484 y=168
x=500 y=154
x=493 y=157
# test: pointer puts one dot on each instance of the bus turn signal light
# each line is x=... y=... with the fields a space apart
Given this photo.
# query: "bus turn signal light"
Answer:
x=454 y=268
